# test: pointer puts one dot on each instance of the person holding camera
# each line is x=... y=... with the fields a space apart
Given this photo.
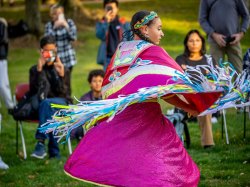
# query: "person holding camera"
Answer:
x=65 y=32
x=110 y=31
x=220 y=20
x=49 y=79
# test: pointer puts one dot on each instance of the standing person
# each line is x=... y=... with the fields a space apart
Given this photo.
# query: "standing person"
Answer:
x=5 y=93
x=220 y=20
x=139 y=146
x=49 y=79
x=194 y=55
x=65 y=32
x=110 y=31
x=95 y=80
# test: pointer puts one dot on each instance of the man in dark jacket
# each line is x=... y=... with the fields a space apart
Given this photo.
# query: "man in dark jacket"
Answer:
x=49 y=79
x=110 y=30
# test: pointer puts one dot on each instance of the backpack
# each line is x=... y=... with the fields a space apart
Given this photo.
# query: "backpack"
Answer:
x=27 y=108
x=18 y=30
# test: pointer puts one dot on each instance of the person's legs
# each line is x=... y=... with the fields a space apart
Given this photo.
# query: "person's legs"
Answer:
x=5 y=93
x=234 y=54
x=217 y=52
x=206 y=130
x=45 y=113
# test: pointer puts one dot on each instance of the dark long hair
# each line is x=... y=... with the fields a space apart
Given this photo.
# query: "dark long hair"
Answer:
x=138 y=16
x=203 y=46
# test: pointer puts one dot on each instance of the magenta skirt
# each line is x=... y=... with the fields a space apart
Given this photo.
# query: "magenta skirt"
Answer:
x=138 y=148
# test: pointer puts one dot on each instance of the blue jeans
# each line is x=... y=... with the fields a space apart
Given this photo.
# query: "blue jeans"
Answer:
x=45 y=113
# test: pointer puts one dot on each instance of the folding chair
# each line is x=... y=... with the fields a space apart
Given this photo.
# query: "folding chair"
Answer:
x=224 y=124
x=20 y=91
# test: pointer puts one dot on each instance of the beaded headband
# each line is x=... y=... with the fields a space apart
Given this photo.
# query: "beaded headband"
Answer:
x=145 y=20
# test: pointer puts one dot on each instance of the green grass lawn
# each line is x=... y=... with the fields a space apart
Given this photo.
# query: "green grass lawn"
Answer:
x=225 y=165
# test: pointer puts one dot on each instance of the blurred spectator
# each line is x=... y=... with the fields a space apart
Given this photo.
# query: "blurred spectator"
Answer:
x=50 y=80
x=194 y=54
x=95 y=79
x=5 y=93
x=220 y=20
x=65 y=32
x=110 y=31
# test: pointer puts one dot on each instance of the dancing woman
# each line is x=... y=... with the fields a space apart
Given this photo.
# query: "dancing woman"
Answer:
x=139 y=147
x=133 y=144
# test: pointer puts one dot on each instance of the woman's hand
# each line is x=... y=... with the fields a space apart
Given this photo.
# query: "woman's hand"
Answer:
x=59 y=67
x=61 y=23
x=108 y=16
x=41 y=63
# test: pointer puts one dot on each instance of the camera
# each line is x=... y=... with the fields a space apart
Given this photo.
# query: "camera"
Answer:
x=229 y=39
x=109 y=8
x=49 y=56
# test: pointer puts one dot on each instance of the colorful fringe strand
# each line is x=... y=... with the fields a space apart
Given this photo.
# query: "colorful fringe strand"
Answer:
x=235 y=87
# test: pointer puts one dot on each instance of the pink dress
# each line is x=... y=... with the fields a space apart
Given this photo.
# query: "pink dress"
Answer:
x=139 y=147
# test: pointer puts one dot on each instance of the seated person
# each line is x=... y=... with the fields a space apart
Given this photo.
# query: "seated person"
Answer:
x=49 y=79
x=194 y=55
x=95 y=79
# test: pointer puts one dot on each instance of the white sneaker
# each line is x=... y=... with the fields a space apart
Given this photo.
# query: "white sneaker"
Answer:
x=214 y=120
x=3 y=165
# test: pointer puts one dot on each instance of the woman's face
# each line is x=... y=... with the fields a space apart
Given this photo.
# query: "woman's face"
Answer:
x=194 y=43
x=54 y=13
x=154 y=31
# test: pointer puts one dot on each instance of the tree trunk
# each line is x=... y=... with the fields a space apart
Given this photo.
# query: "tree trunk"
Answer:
x=33 y=16
x=75 y=10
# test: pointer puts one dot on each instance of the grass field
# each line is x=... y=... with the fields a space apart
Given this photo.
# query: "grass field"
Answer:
x=225 y=165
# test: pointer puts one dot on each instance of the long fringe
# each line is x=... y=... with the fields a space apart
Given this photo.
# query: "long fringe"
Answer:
x=235 y=87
